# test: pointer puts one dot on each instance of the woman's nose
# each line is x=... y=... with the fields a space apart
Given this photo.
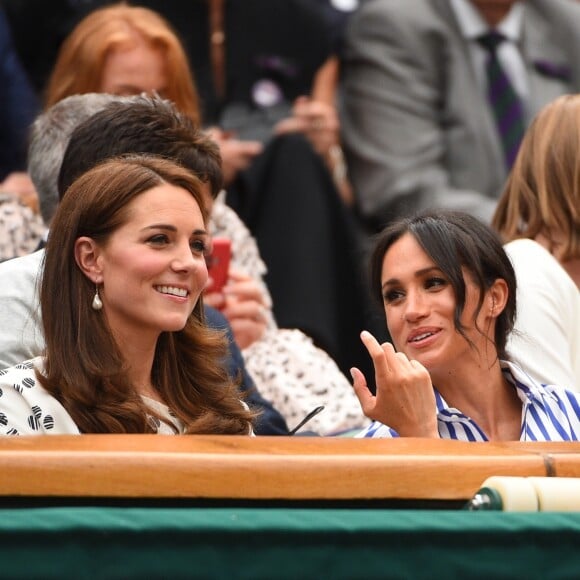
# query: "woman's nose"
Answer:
x=184 y=259
x=415 y=306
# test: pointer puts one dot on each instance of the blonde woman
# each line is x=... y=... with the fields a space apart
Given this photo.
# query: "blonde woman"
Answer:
x=538 y=217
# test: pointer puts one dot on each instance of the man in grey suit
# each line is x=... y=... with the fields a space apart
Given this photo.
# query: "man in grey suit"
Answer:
x=418 y=129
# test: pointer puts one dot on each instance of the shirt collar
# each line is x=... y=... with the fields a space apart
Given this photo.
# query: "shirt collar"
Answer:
x=527 y=388
x=472 y=24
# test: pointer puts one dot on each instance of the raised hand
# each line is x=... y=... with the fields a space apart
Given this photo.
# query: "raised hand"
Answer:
x=405 y=400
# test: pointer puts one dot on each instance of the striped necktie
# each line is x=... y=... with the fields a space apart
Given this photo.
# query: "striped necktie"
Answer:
x=506 y=104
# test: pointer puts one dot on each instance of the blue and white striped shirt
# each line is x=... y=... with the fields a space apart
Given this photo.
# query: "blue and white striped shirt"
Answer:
x=549 y=413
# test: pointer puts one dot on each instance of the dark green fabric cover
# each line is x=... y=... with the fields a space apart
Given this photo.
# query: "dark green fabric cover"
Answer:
x=112 y=542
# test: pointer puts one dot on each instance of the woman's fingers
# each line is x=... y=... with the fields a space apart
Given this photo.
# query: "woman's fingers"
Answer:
x=398 y=361
x=375 y=351
x=404 y=399
x=364 y=396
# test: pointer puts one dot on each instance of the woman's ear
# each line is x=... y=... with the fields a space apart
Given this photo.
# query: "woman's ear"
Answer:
x=497 y=297
x=87 y=257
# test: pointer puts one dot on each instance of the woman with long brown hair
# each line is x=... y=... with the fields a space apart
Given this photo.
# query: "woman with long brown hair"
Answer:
x=126 y=347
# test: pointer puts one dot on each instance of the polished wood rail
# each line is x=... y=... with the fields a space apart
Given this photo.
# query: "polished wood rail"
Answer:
x=267 y=468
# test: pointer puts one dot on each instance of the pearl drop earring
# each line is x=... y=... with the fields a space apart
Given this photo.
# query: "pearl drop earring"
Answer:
x=97 y=303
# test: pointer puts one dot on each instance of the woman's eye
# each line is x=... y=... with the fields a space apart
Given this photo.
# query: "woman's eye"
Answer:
x=435 y=282
x=392 y=295
x=158 y=239
x=199 y=247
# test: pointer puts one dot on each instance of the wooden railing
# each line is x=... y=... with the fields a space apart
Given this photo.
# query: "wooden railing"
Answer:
x=267 y=468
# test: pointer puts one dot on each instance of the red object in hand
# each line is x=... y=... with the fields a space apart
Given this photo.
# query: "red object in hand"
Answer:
x=218 y=264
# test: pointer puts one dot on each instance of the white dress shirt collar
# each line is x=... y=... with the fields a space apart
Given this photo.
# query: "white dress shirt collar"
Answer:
x=472 y=24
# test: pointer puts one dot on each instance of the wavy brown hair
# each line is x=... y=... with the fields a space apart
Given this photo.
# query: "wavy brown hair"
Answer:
x=542 y=193
x=85 y=369
x=81 y=58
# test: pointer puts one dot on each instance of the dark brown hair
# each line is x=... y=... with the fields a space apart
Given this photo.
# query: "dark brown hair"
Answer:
x=455 y=240
x=141 y=124
x=85 y=370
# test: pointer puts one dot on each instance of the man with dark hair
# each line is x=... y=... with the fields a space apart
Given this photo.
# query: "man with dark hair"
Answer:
x=142 y=125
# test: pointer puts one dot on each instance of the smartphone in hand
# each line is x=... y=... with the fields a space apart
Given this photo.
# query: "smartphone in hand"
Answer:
x=218 y=264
